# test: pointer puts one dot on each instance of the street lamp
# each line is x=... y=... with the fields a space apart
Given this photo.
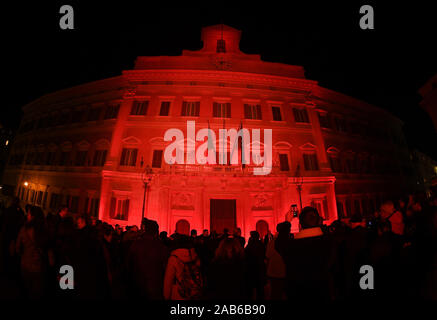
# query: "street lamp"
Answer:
x=146 y=176
x=26 y=183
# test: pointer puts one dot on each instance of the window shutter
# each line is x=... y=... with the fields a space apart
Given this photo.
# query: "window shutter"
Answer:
x=197 y=108
x=157 y=159
x=112 y=208
x=125 y=209
x=145 y=107
x=133 y=157
x=215 y=109
x=184 y=108
x=103 y=159
x=123 y=157
x=258 y=109
x=85 y=207
x=247 y=111
x=228 y=110
x=283 y=160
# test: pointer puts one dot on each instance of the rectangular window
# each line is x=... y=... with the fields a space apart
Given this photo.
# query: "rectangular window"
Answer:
x=283 y=160
x=44 y=200
x=335 y=163
x=357 y=207
x=157 y=159
x=190 y=108
x=139 y=108
x=340 y=124
x=119 y=209
x=94 y=114
x=165 y=108
x=74 y=204
x=129 y=157
x=221 y=110
x=301 y=115
x=50 y=160
x=94 y=208
x=99 y=158
x=80 y=158
x=310 y=161
x=252 y=111
x=324 y=120
x=276 y=111
x=340 y=210
x=39 y=197
x=55 y=201
x=112 y=112
x=76 y=117
x=64 y=160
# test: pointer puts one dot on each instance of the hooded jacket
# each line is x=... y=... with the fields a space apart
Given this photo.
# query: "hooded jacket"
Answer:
x=174 y=270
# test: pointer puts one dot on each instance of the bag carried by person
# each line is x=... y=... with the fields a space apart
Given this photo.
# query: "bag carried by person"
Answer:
x=190 y=281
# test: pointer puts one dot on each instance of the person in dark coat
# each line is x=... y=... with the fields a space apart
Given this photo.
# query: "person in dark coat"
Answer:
x=226 y=273
x=89 y=265
x=147 y=260
x=309 y=259
x=237 y=235
x=32 y=247
x=255 y=254
x=11 y=222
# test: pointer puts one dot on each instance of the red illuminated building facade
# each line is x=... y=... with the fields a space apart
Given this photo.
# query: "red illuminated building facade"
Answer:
x=91 y=146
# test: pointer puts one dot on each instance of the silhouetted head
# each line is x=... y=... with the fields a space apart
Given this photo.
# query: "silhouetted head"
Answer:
x=228 y=249
x=35 y=215
x=309 y=218
x=82 y=221
x=284 y=228
x=254 y=235
x=237 y=232
x=163 y=235
x=151 y=227
x=194 y=233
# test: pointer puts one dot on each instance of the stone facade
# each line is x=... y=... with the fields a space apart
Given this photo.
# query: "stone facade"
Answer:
x=89 y=146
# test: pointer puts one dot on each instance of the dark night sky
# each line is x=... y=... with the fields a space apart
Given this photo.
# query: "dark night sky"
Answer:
x=385 y=66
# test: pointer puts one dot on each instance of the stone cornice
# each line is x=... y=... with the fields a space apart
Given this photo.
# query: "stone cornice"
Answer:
x=218 y=76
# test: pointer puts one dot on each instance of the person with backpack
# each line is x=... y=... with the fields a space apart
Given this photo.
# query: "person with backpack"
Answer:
x=183 y=279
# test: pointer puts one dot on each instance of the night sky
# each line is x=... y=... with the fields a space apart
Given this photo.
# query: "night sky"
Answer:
x=385 y=66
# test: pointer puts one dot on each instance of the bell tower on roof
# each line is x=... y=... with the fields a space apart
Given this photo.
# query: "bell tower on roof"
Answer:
x=221 y=38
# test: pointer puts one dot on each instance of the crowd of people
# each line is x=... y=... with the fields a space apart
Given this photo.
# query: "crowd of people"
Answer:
x=319 y=262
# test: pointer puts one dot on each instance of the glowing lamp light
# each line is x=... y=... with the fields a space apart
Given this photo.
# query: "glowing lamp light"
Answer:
x=26 y=183
x=7 y=142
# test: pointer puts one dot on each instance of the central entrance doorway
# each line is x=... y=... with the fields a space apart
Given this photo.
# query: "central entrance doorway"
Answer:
x=223 y=213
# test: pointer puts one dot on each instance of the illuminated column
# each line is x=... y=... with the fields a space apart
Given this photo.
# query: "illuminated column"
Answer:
x=117 y=133
x=318 y=138
x=332 y=202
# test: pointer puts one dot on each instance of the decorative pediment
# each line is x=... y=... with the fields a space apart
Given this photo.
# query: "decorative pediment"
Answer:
x=308 y=147
x=102 y=144
x=333 y=150
x=157 y=141
x=131 y=140
x=83 y=145
x=282 y=145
